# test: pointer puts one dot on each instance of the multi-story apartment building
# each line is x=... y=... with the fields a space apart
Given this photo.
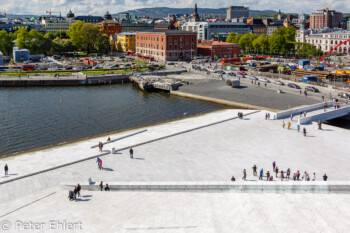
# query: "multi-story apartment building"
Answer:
x=209 y=30
x=55 y=25
x=166 y=45
x=237 y=12
x=325 y=39
x=109 y=25
x=125 y=42
x=325 y=18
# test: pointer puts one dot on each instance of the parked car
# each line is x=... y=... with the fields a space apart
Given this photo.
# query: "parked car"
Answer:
x=278 y=82
x=171 y=63
x=312 y=89
x=262 y=79
x=293 y=85
x=231 y=74
x=344 y=95
x=252 y=77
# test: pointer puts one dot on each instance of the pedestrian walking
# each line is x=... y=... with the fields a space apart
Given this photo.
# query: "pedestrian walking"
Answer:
x=6 y=168
x=288 y=174
x=101 y=185
x=325 y=177
x=282 y=175
x=265 y=85
x=322 y=98
x=298 y=128
x=276 y=170
x=100 y=164
x=299 y=92
x=131 y=151
x=254 y=170
x=291 y=116
x=288 y=124
x=304 y=131
x=294 y=177
x=261 y=174
x=274 y=165
x=304 y=114
x=314 y=177
x=301 y=114
x=298 y=175
x=75 y=193
x=244 y=175
x=283 y=124
x=107 y=188
x=78 y=190
x=267 y=175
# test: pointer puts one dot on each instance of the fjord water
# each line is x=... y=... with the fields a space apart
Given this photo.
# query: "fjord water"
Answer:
x=33 y=117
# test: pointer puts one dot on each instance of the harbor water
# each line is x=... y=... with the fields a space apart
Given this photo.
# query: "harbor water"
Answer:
x=39 y=117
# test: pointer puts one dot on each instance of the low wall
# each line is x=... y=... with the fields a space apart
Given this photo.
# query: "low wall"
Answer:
x=296 y=111
x=237 y=187
x=325 y=116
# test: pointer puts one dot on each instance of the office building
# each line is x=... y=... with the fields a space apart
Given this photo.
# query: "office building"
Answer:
x=237 y=12
x=325 y=18
x=166 y=45
x=20 y=55
x=325 y=39
x=219 y=30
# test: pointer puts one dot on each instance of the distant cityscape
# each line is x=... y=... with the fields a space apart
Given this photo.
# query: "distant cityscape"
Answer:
x=185 y=36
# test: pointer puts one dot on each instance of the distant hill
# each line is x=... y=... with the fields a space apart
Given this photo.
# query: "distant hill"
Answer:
x=158 y=12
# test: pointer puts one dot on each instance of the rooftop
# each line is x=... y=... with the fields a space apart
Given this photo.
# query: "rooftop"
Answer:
x=162 y=31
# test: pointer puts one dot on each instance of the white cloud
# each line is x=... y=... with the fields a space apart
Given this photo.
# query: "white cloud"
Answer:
x=94 y=7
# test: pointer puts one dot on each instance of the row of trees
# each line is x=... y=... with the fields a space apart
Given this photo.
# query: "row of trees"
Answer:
x=80 y=37
x=282 y=41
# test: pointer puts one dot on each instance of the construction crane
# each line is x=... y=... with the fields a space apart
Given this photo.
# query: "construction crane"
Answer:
x=50 y=13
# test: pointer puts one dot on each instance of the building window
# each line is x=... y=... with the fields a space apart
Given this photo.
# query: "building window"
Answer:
x=170 y=48
x=175 y=47
x=170 y=39
x=175 y=38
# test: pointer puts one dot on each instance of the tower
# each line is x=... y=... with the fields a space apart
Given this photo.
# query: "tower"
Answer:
x=108 y=16
x=279 y=16
x=70 y=15
x=195 y=17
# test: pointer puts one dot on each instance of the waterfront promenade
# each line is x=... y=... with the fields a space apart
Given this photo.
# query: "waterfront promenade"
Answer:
x=211 y=147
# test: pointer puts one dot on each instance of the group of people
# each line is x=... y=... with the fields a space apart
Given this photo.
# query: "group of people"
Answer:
x=106 y=187
x=72 y=195
x=267 y=116
x=284 y=175
x=240 y=115
x=290 y=124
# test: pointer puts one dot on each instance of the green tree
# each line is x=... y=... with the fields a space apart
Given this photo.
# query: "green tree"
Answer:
x=6 y=43
x=231 y=37
x=102 y=43
x=261 y=44
x=75 y=35
x=277 y=44
x=22 y=38
x=62 y=46
x=61 y=35
x=89 y=34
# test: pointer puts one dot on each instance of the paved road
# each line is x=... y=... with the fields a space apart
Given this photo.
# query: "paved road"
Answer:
x=248 y=94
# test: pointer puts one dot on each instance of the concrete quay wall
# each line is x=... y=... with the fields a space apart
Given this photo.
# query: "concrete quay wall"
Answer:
x=296 y=111
x=325 y=115
x=237 y=187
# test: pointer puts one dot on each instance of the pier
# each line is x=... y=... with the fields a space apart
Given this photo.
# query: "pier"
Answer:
x=153 y=83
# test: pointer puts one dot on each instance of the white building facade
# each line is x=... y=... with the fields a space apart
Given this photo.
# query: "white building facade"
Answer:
x=208 y=30
x=326 y=39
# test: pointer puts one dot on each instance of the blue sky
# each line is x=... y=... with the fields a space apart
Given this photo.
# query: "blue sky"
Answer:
x=99 y=7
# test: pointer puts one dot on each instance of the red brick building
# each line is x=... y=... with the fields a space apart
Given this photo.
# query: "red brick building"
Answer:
x=111 y=27
x=214 y=48
x=325 y=18
x=166 y=45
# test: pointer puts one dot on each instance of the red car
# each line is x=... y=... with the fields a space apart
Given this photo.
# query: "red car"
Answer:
x=241 y=72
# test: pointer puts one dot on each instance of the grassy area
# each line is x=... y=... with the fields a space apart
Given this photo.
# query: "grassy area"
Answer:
x=97 y=72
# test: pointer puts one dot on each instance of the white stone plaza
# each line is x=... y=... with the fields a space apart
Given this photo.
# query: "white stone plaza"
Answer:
x=206 y=148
